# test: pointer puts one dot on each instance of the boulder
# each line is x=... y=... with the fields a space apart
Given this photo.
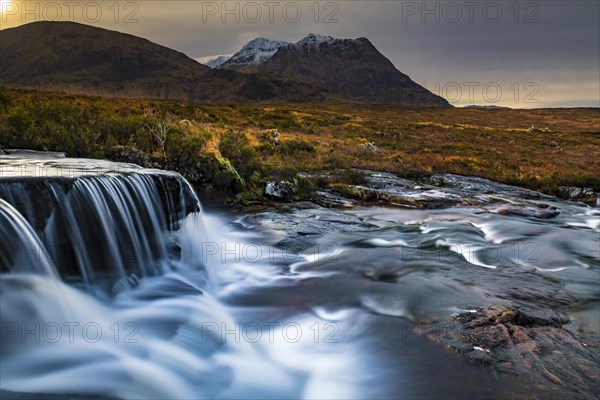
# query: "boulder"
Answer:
x=282 y=190
x=572 y=192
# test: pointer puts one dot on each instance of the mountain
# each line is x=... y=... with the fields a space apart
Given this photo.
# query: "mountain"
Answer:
x=349 y=68
x=80 y=58
x=85 y=59
x=254 y=52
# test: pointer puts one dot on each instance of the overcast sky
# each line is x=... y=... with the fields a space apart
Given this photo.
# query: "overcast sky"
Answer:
x=519 y=54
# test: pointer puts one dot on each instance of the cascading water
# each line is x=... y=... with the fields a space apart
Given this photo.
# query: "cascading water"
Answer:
x=105 y=290
x=21 y=250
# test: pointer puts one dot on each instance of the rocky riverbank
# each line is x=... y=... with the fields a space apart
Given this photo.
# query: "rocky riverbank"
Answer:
x=430 y=192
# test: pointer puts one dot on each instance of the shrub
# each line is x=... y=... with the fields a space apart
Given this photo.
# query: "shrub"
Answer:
x=19 y=121
x=122 y=129
x=296 y=146
x=237 y=149
x=305 y=189
x=182 y=146
x=4 y=100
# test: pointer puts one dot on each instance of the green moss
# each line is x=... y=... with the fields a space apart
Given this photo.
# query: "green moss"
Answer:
x=226 y=176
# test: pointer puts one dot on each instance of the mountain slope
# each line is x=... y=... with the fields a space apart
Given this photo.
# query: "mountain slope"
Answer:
x=352 y=69
x=86 y=59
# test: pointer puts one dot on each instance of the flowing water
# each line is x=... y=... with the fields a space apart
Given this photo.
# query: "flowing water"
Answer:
x=114 y=283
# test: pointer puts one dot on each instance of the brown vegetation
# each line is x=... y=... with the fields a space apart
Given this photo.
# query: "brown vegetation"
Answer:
x=564 y=149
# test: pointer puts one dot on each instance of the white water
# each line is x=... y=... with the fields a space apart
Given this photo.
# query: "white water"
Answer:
x=138 y=320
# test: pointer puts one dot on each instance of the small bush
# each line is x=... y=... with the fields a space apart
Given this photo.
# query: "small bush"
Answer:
x=350 y=177
x=293 y=147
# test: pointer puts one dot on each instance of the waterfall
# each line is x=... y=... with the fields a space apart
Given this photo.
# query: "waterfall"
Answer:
x=105 y=291
x=76 y=236
x=102 y=226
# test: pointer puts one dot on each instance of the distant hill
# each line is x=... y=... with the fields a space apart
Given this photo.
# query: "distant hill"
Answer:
x=491 y=107
x=82 y=58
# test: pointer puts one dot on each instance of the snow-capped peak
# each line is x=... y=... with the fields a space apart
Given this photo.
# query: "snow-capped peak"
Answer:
x=217 y=62
x=255 y=52
x=313 y=38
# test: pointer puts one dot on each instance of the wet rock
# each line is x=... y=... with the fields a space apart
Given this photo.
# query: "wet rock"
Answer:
x=497 y=314
x=542 y=211
x=388 y=277
x=46 y=201
x=469 y=186
x=527 y=342
x=38 y=197
x=357 y=192
x=331 y=200
x=6 y=395
x=129 y=154
x=282 y=190
x=389 y=195
x=383 y=180
x=304 y=224
x=26 y=152
x=441 y=191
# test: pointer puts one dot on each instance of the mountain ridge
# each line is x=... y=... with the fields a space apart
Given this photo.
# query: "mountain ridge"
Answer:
x=90 y=60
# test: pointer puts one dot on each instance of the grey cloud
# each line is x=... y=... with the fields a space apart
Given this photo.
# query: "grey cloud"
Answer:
x=559 y=51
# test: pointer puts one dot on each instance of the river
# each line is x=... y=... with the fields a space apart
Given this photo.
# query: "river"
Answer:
x=115 y=283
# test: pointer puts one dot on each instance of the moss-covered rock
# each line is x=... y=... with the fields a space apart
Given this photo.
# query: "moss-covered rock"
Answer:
x=212 y=176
